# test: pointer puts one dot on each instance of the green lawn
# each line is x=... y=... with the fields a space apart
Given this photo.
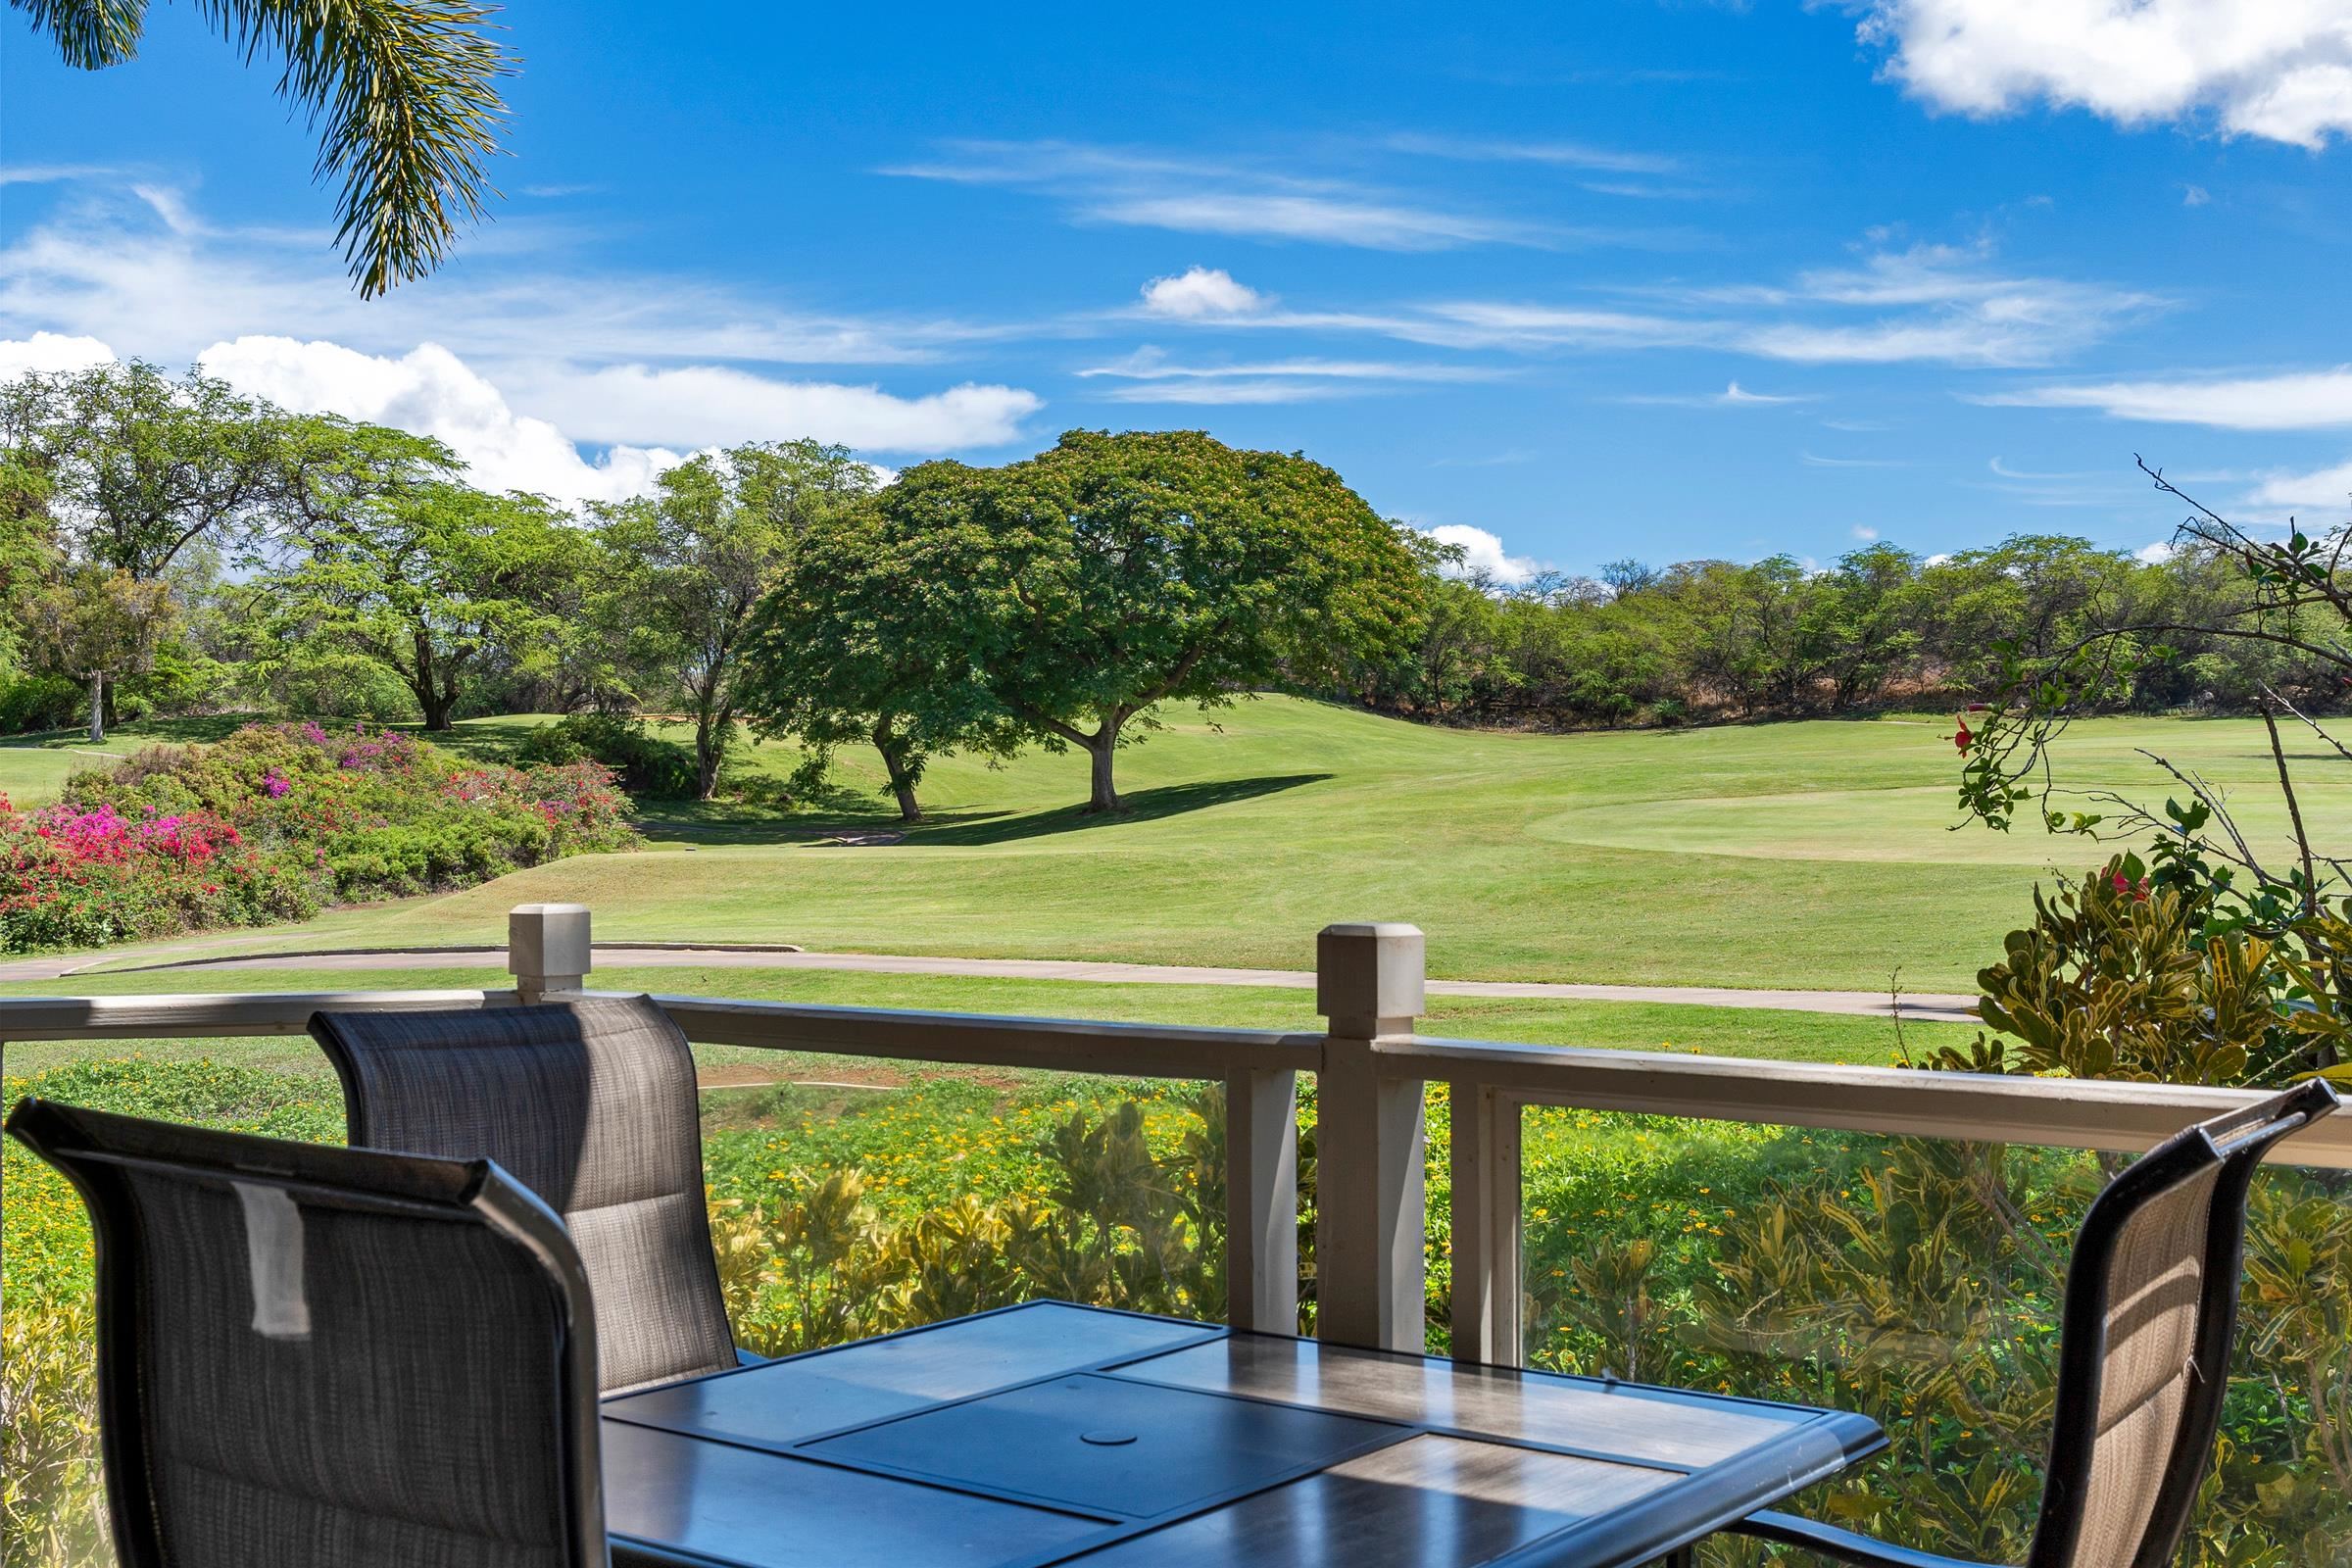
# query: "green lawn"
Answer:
x=1791 y=855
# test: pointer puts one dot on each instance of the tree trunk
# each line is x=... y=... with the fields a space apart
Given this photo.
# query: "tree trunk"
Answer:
x=706 y=757
x=1100 y=747
x=893 y=747
x=431 y=701
x=97 y=708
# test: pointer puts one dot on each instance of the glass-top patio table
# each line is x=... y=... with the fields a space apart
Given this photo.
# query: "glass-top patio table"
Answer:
x=1050 y=1434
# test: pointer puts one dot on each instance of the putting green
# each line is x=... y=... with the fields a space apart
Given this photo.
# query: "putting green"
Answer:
x=1919 y=824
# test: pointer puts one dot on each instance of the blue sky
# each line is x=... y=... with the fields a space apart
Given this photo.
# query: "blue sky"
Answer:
x=1661 y=279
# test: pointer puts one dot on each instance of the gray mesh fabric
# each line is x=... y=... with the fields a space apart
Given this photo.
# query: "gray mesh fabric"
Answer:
x=311 y=1356
x=590 y=1104
x=2153 y=1310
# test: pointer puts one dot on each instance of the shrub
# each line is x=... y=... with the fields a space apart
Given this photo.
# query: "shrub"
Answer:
x=33 y=703
x=276 y=821
x=649 y=767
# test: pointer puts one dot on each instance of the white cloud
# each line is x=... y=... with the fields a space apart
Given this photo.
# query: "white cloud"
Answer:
x=1200 y=293
x=138 y=268
x=430 y=391
x=1864 y=534
x=1734 y=396
x=705 y=405
x=2301 y=401
x=2281 y=69
x=2328 y=488
x=1483 y=556
x=626 y=408
x=2194 y=196
x=2157 y=554
x=50 y=352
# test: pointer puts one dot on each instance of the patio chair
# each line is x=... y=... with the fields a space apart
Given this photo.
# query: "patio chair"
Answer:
x=315 y=1355
x=589 y=1103
x=2144 y=1359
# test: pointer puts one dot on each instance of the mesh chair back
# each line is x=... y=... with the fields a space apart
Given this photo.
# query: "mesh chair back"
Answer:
x=2151 y=1316
x=589 y=1103
x=315 y=1355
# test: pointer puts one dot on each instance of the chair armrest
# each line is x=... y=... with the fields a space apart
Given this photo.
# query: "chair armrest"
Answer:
x=1844 y=1545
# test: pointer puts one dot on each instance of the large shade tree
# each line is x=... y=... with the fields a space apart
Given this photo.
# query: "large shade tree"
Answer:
x=406 y=89
x=693 y=558
x=1088 y=584
x=841 y=652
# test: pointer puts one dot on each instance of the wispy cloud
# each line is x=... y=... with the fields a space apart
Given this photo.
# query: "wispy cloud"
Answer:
x=1957 y=309
x=1365 y=223
x=139 y=267
x=1814 y=461
x=2303 y=400
x=1933 y=305
x=1152 y=377
x=1249 y=198
x=1558 y=154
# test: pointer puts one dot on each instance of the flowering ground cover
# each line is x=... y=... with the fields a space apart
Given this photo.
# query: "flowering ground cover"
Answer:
x=273 y=824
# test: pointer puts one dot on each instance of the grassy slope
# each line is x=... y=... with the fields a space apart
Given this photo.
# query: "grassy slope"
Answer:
x=1784 y=854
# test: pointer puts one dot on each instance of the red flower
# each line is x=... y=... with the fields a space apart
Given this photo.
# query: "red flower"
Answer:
x=1965 y=739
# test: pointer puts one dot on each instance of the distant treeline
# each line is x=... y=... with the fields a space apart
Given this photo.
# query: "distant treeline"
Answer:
x=169 y=546
x=1883 y=626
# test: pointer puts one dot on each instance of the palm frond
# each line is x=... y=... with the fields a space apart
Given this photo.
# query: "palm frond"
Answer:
x=407 y=89
x=89 y=34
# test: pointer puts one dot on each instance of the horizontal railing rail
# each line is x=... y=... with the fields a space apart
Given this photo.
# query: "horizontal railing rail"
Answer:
x=1371 y=1068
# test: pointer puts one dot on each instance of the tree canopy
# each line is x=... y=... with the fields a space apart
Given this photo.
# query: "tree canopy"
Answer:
x=430 y=580
x=1112 y=572
x=695 y=557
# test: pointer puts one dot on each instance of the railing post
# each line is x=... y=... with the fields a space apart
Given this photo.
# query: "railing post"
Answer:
x=547 y=949
x=1261 y=1202
x=1370 y=1138
x=1485 y=1178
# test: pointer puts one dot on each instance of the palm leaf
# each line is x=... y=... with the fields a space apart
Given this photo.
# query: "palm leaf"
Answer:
x=407 y=89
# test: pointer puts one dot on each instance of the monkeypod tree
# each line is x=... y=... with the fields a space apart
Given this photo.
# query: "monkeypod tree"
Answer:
x=1081 y=587
x=844 y=652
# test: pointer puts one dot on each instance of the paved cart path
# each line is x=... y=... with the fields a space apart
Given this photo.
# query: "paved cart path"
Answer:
x=1924 y=1007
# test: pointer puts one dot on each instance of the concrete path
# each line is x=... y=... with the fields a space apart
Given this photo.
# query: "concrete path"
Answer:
x=1925 y=1007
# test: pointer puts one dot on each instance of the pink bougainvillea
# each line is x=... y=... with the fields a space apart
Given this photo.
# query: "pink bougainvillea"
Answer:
x=274 y=822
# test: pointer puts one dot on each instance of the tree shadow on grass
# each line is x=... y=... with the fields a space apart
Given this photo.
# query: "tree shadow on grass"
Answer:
x=1142 y=805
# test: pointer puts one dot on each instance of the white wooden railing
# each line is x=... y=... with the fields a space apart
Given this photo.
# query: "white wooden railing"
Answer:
x=1371 y=1067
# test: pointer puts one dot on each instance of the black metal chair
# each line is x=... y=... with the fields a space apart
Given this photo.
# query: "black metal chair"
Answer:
x=590 y=1104
x=311 y=1355
x=2150 y=1318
